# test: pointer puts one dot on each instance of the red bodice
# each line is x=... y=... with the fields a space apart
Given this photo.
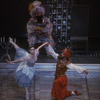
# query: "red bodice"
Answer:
x=60 y=70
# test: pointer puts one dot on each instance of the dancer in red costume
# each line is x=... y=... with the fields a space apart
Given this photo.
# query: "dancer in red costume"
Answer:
x=59 y=90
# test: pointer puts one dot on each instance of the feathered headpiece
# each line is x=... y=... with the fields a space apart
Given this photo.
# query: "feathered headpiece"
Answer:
x=66 y=52
x=34 y=4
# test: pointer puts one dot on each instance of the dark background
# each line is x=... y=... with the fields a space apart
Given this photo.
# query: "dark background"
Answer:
x=14 y=16
x=85 y=22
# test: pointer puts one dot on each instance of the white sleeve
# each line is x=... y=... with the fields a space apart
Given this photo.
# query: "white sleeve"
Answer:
x=75 y=67
x=52 y=52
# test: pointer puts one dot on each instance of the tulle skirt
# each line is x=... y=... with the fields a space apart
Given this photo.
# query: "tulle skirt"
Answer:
x=24 y=74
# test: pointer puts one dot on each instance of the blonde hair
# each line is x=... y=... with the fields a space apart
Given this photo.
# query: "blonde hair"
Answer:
x=34 y=4
x=30 y=7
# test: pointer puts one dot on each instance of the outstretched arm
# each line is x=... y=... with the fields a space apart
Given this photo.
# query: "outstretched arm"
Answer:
x=42 y=45
x=15 y=61
x=37 y=50
x=10 y=62
x=76 y=68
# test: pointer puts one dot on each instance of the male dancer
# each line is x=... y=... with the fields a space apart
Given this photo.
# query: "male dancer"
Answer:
x=39 y=27
x=59 y=90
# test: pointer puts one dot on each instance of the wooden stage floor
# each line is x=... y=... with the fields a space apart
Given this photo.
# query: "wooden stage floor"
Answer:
x=88 y=86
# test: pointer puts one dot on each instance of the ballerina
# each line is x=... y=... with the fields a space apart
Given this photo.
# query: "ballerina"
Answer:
x=25 y=71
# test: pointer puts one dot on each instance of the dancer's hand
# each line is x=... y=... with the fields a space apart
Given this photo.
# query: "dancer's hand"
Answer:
x=9 y=62
x=47 y=43
x=86 y=72
x=68 y=62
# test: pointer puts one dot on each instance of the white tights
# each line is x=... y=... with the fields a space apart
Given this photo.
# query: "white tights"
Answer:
x=27 y=94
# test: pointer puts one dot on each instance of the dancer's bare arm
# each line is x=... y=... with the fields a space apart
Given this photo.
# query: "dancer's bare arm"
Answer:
x=42 y=45
x=15 y=61
x=9 y=62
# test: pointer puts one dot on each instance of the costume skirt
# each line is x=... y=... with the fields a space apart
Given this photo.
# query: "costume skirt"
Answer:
x=24 y=73
x=59 y=90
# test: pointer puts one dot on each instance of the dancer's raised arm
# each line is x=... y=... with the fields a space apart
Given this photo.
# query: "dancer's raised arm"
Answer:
x=37 y=50
x=42 y=45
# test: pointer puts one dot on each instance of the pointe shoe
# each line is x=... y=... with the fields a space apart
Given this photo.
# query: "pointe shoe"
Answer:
x=76 y=92
x=27 y=96
x=10 y=40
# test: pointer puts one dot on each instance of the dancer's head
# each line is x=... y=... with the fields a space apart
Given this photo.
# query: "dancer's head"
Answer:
x=66 y=52
x=32 y=50
x=38 y=13
x=64 y=56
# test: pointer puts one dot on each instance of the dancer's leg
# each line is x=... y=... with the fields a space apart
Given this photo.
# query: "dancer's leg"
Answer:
x=27 y=94
x=13 y=43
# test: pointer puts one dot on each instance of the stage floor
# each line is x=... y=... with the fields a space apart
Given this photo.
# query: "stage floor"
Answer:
x=88 y=86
